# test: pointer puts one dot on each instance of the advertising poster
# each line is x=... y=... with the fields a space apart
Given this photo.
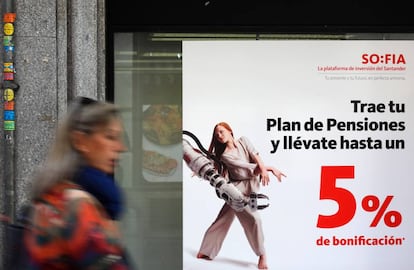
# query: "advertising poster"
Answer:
x=337 y=118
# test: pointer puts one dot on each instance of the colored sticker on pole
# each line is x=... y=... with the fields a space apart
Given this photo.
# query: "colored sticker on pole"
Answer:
x=9 y=105
x=9 y=17
x=9 y=125
x=8 y=67
x=8 y=94
x=9 y=49
x=8 y=56
x=8 y=115
x=8 y=76
x=8 y=29
x=8 y=41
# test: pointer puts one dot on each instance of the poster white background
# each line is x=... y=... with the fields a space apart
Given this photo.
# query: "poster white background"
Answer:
x=244 y=83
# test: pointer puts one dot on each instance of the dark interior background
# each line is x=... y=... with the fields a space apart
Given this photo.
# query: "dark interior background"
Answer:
x=259 y=15
x=254 y=16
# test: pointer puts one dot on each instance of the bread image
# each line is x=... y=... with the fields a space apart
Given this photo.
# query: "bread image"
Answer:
x=158 y=164
x=162 y=124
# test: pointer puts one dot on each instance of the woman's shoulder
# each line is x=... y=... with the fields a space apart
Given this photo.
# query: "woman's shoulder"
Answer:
x=247 y=145
x=244 y=140
x=67 y=198
x=69 y=190
x=77 y=193
x=73 y=224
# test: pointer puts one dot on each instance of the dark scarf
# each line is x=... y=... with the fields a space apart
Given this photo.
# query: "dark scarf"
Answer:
x=103 y=188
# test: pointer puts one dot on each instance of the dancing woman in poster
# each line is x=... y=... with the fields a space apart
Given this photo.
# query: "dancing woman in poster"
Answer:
x=245 y=169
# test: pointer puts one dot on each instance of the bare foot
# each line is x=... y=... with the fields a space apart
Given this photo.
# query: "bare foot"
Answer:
x=262 y=262
x=202 y=256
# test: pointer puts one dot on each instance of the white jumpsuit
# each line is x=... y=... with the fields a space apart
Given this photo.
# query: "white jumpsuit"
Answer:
x=240 y=165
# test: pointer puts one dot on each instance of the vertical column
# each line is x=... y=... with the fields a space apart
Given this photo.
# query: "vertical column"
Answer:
x=83 y=48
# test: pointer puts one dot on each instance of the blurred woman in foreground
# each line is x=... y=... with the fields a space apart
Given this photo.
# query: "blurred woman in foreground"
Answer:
x=76 y=202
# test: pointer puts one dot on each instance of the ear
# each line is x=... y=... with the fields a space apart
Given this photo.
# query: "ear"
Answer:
x=79 y=141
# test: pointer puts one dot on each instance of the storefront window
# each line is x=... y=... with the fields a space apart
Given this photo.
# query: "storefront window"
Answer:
x=147 y=78
x=148 y=87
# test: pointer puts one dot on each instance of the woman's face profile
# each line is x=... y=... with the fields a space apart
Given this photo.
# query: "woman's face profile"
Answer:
x=101 y=148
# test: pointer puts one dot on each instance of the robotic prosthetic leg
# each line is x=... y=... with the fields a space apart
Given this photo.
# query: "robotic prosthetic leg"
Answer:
x=204 y=168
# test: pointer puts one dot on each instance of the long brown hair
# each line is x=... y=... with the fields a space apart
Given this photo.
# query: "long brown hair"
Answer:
x=216 y=147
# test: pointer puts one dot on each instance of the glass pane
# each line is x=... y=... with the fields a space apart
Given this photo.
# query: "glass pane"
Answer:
x=148 y=89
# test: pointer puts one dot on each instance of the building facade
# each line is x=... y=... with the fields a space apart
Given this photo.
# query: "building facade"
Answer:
x=59 y=52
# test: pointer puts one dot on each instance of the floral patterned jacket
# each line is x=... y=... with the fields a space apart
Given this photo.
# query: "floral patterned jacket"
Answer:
x=71 y=230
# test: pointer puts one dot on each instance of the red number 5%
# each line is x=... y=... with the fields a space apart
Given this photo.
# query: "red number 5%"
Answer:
x=347 y=203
